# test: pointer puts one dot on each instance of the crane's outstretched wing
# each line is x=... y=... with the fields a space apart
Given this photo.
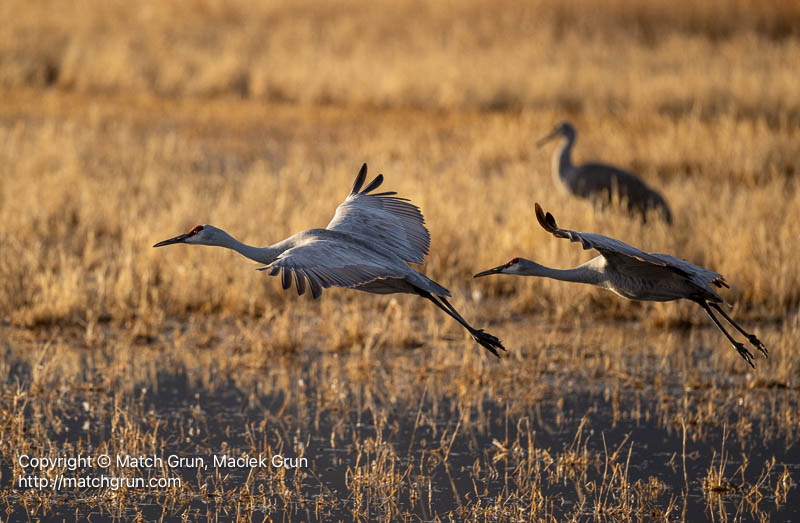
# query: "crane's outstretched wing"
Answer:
x=324 y=263
x=384 y=218
x=696 y=272
x=610 y=248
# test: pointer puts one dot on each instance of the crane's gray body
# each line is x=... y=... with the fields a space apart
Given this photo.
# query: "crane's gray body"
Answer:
x=634 y=274
x=644 y=281
x=639 y=275
x=330 y=257
x=602 y=182
x=367 y=247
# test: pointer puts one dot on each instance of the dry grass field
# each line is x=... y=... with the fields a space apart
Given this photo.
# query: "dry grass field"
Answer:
x=123 y=124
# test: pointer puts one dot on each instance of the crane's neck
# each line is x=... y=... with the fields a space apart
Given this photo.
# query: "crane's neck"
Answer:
x=263 y=255
x=590 y=272
x=562 y=160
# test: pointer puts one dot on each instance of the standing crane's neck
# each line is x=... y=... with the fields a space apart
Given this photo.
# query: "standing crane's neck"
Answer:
x=562 y=160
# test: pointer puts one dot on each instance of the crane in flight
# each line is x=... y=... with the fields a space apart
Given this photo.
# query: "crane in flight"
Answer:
x=367 y=247
x=599 y=181
x=636 y=275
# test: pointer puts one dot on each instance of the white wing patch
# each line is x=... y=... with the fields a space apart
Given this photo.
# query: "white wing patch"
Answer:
x=382 y=217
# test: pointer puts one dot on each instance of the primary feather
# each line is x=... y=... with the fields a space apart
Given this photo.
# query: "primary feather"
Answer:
x=366 y=247
x=637 y=275
x=613 y=250
x=391 y=221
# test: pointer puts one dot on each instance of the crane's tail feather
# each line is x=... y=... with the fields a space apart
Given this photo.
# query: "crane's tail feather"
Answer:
x=720 y=282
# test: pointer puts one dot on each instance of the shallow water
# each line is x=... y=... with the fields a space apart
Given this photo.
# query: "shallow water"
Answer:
x=564 y=439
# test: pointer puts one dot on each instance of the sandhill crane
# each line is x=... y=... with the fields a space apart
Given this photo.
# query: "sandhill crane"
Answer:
x=601 y=182
x=365 y=247
x=636 y=275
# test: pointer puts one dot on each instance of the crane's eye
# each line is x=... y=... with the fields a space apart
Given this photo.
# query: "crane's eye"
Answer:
x=512 y=261
x=196 y=229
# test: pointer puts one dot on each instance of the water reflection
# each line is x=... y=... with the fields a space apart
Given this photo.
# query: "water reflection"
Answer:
x=564 y=449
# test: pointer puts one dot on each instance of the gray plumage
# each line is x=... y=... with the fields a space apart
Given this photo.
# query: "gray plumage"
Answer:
x=392 y=221
x=636 y=275
x=602 y=182
x=332 y=258
x=366 y=247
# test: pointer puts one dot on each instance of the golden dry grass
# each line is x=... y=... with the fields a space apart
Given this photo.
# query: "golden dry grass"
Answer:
x=124 y=124
x=93 y=187
x=703 y=111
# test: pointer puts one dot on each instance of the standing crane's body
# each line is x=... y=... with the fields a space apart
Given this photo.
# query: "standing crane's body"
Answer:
x=367 y=247
x=636 y=275
x=601 y=182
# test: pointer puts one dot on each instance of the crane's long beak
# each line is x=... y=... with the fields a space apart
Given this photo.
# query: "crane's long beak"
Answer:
x=178 y=239
x=546 y=139
x=495 y=270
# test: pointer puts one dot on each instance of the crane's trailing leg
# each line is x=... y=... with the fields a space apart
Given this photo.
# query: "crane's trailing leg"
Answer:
x=484 y=338
x=752 y=338
x=740 y=348
x=489 y=342
x=367 y=246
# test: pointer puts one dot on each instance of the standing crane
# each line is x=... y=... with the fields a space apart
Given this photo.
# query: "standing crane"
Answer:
x=636 y=275
x=365 y=247
x=599 y=181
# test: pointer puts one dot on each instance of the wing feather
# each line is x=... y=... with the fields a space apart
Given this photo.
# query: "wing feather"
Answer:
x=374 y=184
x=300 y=281
x=316 y=287
x=394 y=222
x=327 y=263
x=359 y=181
x=610 y=248
x=697 y=272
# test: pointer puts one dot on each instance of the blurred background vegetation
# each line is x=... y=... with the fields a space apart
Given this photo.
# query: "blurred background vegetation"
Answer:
x=125 y=123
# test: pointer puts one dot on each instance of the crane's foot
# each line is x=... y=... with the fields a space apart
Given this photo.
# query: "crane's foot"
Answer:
x=488 y=341
x=752 y=338
x=744 y=353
